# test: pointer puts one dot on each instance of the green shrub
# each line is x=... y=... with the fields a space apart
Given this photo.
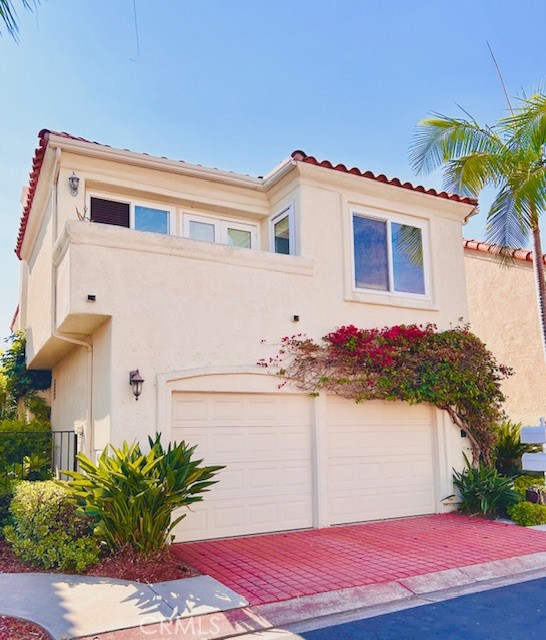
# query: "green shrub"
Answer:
x=508 y=448
x=528 y=514
x=132 y=495
x=483 y=490
x=522 y=483
x=47 y=530
x=19 y=438
x=6 y=495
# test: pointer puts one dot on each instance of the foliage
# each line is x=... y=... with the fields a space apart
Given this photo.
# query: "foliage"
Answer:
x=522 y=483
x=6 y=495
x=132 y=495
x=8 y=15
x=36 y=466
x=483 y=490
x=452 y=370
x=20 y=383
x=508 y=448
x=18 y=439
x=507 y=156
x=47 y=529
x=536 y=493
x=528 y=514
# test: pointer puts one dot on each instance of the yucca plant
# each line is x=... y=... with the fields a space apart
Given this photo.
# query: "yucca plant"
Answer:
x=508 y=448
x=483 y=490
x=132 y=495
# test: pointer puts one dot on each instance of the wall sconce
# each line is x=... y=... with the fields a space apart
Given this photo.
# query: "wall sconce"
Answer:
x=136 y=380
x=74 y=184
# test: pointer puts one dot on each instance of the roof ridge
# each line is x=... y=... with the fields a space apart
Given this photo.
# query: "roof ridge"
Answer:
x=300 y=156
x=297 y=155
x=526 y=255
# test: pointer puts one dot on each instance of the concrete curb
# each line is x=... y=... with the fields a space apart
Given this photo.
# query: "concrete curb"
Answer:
x=262 y=622
x=343 y=600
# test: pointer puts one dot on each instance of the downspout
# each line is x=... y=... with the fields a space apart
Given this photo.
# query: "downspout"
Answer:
x=85 y=432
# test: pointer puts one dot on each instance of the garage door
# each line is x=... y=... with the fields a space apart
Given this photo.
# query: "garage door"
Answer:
x=265 y=442
x=380 y=460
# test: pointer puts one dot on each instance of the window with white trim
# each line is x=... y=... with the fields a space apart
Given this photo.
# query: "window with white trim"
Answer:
x=234 y=234
x=281 y=230
x=134 y=215
x=389 y=255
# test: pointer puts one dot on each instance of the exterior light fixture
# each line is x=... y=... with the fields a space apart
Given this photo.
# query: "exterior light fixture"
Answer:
x=136 y=380
x=74 y=184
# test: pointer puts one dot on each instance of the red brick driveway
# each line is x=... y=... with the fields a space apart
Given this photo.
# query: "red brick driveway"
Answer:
x=280 y=566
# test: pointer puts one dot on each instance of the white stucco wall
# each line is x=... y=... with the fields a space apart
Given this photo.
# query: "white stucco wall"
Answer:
x=169 y=304
x=503 y=313
x=37 y=306
x=69 y=380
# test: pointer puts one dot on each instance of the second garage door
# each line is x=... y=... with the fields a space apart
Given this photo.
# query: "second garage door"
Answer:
x=380 y=460
x=265 y=442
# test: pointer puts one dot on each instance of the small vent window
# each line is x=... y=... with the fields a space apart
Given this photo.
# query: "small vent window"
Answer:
x=110 y=212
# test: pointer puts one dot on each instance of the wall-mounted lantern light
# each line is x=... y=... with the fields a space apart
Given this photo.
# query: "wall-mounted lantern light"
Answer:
x=74 y=184
x=136 y=380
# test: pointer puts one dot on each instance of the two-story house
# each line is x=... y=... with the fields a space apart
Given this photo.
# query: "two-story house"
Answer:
x=130 y=262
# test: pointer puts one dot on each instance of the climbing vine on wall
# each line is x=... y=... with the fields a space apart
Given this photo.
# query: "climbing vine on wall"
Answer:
x=452 y=370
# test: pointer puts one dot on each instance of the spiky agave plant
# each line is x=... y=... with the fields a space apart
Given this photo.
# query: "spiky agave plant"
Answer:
x=132 y=495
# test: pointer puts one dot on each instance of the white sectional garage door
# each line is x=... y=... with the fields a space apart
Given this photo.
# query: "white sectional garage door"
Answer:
x=265 y=442
x=380 y=460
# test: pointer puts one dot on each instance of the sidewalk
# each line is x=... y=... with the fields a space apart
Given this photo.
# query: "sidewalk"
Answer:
x=323 y=572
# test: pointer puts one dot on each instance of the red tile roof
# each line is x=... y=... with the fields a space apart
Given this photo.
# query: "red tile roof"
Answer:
x=14 y=319
x=298 y=156
x=301 y=156
x=37 y=161
x=517 y=254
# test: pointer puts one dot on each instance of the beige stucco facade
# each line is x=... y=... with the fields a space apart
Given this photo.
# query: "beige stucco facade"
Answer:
x=194 y=317
x=503 y=312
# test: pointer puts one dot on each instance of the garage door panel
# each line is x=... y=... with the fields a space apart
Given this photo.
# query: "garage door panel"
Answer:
x=255 y=515
x=230 y=445
x=264 y=441
x=241 y=481
x=377 y=412
x=380 y=461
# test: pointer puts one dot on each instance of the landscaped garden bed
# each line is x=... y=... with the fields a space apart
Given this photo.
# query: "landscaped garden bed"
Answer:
x=124 y=566
x=15 y=629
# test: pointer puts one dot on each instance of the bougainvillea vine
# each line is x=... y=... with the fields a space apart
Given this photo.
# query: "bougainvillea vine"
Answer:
x=452 y=370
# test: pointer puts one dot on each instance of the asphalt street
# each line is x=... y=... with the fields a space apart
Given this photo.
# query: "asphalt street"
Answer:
x=513 y=612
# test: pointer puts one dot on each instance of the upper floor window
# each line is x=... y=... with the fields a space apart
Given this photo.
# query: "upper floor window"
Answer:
x=125 y=214
x=234 y=234
x=388 y=255
x=166 y=220
x=282 y=231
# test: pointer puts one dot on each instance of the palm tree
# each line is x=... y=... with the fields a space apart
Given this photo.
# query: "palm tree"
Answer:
x=508 y=156
x=8 y=15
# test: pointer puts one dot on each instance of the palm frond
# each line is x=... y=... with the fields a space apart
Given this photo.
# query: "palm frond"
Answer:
x=8 y=15
x=530 y=194
x=528 y=124
x=409 y=242
x=468 y=175
x=508 y=226
x=440 y=139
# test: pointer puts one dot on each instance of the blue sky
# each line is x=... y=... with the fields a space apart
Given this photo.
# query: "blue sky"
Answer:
x=239 y=84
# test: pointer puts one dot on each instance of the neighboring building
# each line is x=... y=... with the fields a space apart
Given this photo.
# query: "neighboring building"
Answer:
x=185 y=270
x=503 y=312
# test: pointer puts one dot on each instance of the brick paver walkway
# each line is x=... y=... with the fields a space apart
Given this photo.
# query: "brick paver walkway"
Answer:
x=280 y=566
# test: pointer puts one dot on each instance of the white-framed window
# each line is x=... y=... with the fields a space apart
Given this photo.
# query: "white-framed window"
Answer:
x=389 y=254
x=133 y=214
x=282 y=231
x=222 y=231
x=148 y=218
